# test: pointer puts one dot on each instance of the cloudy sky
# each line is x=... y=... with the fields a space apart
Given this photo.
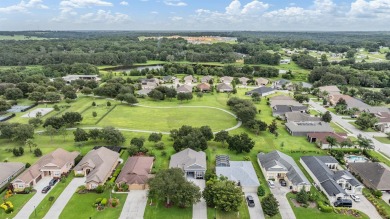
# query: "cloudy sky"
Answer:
x=289 y=15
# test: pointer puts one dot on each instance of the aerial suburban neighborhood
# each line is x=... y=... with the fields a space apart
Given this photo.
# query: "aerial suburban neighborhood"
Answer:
x=184 y=109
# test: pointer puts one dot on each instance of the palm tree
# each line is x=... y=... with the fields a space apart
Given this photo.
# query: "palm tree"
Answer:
x=364 y=143
x=331 y=141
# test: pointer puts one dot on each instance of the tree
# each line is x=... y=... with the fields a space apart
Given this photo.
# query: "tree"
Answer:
x=207 y=132
x=52 y=97
x=13 y=94
x=55 y=122
x=138 y=142
x=169 y=184
x=222 y=194
x=94 y=134
x=71 y=118
x=184 y=96
x=327 y=117
x=94 y=114
x=256 y=97
x=194 y=140
x=155 y=137
x=199 y=95
x=273 y=126
x=301 y=98
x=86 y=91
x=130 y=99
x=156 y=94
x=18 y=151
x=4 y=106
x=256 y=126
x=270 y=205
x=63 y=132
x=112 y=136
x=302 y=196
x=36 y=122
x=37 y=152
x=80 y=135
x=221 y=136
x=51 y=131
x=260 y=191
x=366 y=120
x=332 y=141
x=364 y=143
x=30 y=143
x=240 y=143
x=22 y=132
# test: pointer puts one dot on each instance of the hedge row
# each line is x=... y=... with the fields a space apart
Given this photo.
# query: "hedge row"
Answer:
x=378 y=203
x=323 y=207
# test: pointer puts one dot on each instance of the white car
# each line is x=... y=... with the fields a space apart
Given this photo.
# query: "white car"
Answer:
x=355 y=198
x=271 y=184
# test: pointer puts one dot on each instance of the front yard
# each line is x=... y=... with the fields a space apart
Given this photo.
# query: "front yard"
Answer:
x=158 y=210
x=18 y=201
x=243 y=213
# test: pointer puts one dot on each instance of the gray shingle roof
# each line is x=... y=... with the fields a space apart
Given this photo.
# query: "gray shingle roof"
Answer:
x=8 y=169
x=300 y=117
x=294 y=174
x=239 y=171
x=309 y=127
x=377 y=175
x=188 y=159
x=260 y=90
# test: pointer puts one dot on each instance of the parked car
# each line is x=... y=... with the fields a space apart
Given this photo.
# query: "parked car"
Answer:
x=53 y=182
x=251 y=202
x=46 y=189
x=283 y=182
x=271 y=184
x=343 y=203
x=355 y=198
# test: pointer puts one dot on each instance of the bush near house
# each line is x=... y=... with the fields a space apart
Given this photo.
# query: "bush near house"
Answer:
x=382 y=208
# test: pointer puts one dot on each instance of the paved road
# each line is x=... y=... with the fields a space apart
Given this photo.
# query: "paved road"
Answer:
x=199 y=210
x=284 y=206
x=384 y=148
x=366 y=207
x=134 y=207
x=64 y=198
x=257 y=211
x=29 y=207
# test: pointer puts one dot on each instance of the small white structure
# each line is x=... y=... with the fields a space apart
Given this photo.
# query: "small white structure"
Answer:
x=70 y=78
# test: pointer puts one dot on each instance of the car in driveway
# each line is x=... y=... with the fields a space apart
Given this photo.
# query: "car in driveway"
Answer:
x=271 y=184
x=53 y=182
x=343 y=203
x=46 y=189
x=251 y=202
x=283 y=182
x=355 y=198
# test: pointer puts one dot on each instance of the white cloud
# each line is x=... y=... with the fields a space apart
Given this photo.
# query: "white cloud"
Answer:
x=24 y=6
x=176 y=3
x=68 y=7
x=104 y=17
x=373 y=8
x=124 y=3
x=154 y=12
x=176 y=18
x=254 y=7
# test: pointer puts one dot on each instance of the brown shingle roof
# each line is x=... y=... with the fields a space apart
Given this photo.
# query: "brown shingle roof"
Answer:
x=321 y=136
x=136 y=170
x=374 y=175
x=203 y=86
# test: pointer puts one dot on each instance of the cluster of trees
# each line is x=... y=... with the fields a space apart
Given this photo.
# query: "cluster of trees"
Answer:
x=305 y=61
x=16 y=131
x=109 y=135
x=162 y=92
x=366 y=121
x=68 y=119
x=263 y=58
x=62 y=69
x=377 y=66
x=189 y=137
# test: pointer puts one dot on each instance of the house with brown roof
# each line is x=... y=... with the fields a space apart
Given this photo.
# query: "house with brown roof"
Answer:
x=184 y=89
x=319 y=138
x=383 y=123
x=261 y=81
x=136 y=172
x=373 y=175
x=97 y=166
x=243 y=80
x=204 y=87
x=224 y=88
x=8 y=170
x=226 y=79
x=51 y=165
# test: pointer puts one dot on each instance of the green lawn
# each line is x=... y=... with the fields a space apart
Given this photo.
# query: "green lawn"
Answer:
x=243 y=213
x=382 y=158
x=384 y=140
x=80 y=206
x=367 y=130
x=303 y=213
x=45 y=204
x=158 y=210
x=18 y=200
x=337 y=128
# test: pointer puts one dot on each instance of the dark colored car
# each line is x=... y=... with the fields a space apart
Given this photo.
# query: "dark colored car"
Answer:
x=251 y=202
x=46 y=189
x=343 y=203
x=283 y=182
x=53 y=182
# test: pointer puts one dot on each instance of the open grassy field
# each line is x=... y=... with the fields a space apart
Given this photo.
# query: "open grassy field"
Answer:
x=384 y=140
x=158 y=210
x=80 y=206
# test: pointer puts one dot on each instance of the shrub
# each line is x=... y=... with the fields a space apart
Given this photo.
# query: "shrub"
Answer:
x=27 y=190
x=37 y=152
x=260 y=191
x=159 y=145
x=99 y=189
x=114 y=203
x=323 y=207
x=51 y=198
x=163 y=153
x=377 y=193
x=98 y=200
x=104 y=201
x=9 y=210
x=270 y=205
x=247 y=158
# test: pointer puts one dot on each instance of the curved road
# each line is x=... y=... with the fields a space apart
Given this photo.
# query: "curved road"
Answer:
x=239 y=123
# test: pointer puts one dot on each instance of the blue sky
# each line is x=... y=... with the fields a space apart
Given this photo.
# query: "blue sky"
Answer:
x=289 y=15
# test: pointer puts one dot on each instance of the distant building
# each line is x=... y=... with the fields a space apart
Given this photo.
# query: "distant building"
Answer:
x=303 y=128
x=224 y=88
x=69 y=78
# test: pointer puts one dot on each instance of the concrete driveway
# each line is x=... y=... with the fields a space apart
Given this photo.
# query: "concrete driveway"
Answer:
x=199 y=210
x=386 y=197
x=366 y=207
x=257 y=211
x=64 y=198
x=284 y=206
x=29 y=207
x=134 y=207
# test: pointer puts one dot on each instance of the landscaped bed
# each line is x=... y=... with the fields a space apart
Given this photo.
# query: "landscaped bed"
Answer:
x=18 y=201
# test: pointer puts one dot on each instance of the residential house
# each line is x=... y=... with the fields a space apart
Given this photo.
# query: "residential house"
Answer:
x=149 y=85
x=262 y=91
x=298 y=116
x=285 y=61
x=69 y=78
x=151 y=80
x=319 y=138
x=261 y=81
x=373 y=175
x=351 y=102
x=97 y=165
x=329 y=178
x=306 y=85
x=241 y=172
x=224 y=88
x=243 y=80
x=53 y=165
x=330 y=90
x=193 y=163
x=281 y=110
x=168 y=79
x=226 y=79
x=206 y=79
x=189 y=79
x=9 y=170
x=282 y=84
x=184 y=89
x=204 y=87
x=143 y=92
x=282 y=71
x=136 y=172
x=277 y=165
x=303 y=128
x=383 y=123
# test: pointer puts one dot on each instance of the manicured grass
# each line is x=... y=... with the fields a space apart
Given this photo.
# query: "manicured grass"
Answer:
x=18 y=201
x=303 y=213
x=243 y=212
x=384 y=140
x=80 y=206
x=367 y=130
x=45 y=204
x=158 y=210
x=380 y=157
x=337 y=128
x=164 y=120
